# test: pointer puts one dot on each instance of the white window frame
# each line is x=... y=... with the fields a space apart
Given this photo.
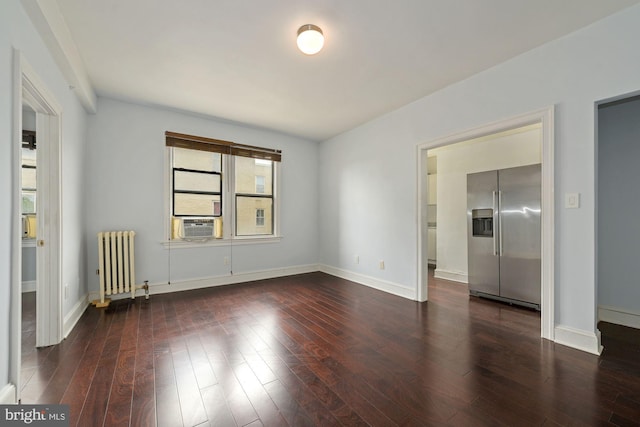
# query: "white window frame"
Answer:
x=228 y=211
x=259 y=217
x=261 y=185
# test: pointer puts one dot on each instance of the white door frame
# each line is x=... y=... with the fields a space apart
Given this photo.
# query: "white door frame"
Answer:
x=28 y=89
x=546 y=118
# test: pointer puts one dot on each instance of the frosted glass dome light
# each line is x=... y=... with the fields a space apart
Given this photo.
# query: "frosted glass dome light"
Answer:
x=310 y=39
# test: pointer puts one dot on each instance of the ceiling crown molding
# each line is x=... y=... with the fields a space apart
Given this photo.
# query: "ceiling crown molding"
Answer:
x=47 y=19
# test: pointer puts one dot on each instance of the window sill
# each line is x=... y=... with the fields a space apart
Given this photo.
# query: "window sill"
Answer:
x=183 y=244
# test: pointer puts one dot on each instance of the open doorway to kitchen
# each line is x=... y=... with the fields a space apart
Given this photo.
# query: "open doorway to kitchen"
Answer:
x=451 y=263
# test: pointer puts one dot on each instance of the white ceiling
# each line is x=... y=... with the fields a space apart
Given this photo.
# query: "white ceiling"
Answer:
x=237 y=59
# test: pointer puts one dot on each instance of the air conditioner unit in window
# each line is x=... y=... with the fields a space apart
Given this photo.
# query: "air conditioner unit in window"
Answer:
x=197 y=228
x=28 y=226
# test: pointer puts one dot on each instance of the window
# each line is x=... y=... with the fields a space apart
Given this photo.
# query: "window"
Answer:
x=214 y=178
x=260 y=184
x=28 y=172
x=251 y=198
x=196 y=183
x=259 y=217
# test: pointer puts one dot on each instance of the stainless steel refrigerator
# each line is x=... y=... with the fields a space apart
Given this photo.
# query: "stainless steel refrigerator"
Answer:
x=503 y=216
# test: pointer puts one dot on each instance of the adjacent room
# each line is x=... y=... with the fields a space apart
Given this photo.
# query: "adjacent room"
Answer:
x=320 y=213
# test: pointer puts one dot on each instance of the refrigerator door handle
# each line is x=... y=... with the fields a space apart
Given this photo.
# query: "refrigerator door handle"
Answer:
x=500 y=223
x=495 y=213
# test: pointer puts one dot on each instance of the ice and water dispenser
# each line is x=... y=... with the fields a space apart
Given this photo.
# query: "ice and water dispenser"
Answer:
x=482 y=221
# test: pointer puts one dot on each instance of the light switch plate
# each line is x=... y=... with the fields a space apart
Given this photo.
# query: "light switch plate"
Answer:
x=572 y=200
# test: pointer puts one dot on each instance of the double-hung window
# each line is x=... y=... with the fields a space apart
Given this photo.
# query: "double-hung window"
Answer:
x=253 y=196
x=221 y=181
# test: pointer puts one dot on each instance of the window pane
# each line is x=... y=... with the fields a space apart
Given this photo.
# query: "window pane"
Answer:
x=260 y=217
x=28 y=178
x=28 y=157
x=260 y=181
x=247 y=169
x=247 y=209
x=28 y=202
x=198 y=160
x=193 y=181
x=194 y=204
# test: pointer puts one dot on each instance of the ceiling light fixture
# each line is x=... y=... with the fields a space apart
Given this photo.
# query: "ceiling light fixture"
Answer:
x=310 y=39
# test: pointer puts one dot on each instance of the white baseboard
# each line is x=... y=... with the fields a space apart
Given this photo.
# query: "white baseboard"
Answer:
x=454 y=276
x=28 y=286
x=578 y=339
x=74 y=315
x=207 y=282
x=619 y=316
x=8 y=395
x=372 y=282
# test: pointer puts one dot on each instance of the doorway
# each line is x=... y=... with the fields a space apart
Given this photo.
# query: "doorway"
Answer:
x=30 y=93
x=542 y=118
x=29 y=204
x=617 y=232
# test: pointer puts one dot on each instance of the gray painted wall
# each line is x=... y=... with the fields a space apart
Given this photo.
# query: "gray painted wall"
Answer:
x=368 y=192
x=619 y=205
x=16 y=31
x=126 y=191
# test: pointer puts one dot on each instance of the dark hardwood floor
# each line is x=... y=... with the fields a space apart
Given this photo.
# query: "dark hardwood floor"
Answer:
x=315 y=350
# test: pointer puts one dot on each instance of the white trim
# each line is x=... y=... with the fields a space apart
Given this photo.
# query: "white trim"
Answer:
x=49 y=22
x=35 y=92
x=547 y=303
x=619 y=316
x=238 y=241
x=74 y=315
x=422 y=206
x=277 y=179
x=454 y=276
x=29 y=89
x=544 y=116
x=15 y=344
x=8 y=395
x=576 y=338
x=207 y=282
x=49 y=321
x=28 y=286
x=228 y=212
x=372 y=282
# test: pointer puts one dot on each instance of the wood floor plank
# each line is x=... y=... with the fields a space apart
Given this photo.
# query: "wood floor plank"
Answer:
x=143 y=405
x=237 y=400
x=168 y=410
x=193 y=412
x=215 y=404
x=95 y=403
x=316 y=350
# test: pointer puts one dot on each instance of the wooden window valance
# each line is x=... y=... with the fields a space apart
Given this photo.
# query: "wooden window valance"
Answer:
x=201 y=143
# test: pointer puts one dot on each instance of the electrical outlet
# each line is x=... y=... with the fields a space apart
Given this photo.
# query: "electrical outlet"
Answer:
x=66 y=290
x=381 y=264
x=357 y=259
x=226 y=260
